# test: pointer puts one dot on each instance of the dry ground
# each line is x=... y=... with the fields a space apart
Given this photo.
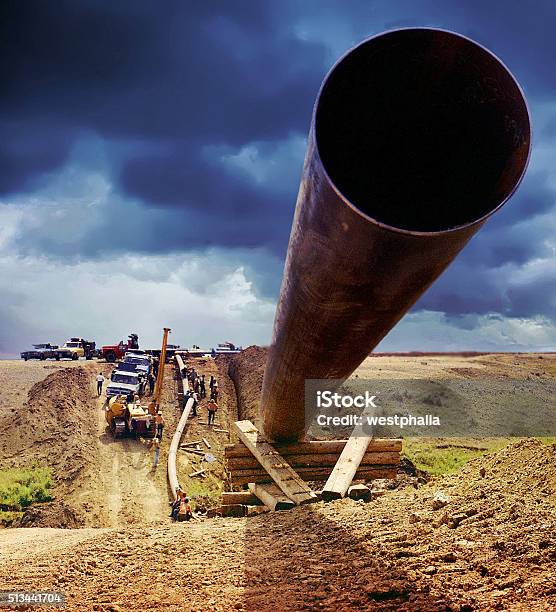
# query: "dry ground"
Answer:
x=490 y=546
x=100 y=481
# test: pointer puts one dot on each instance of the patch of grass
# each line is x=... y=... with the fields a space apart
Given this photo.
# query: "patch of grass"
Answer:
x=8 y=518
x=202 y=495
x=440 y=456
x=21 y=487
x=437 y=461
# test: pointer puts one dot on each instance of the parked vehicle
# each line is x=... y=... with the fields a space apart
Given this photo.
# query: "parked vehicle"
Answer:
x=66 y=353
x=142 y=363
x=226 y=348
x=42 y=352
x=126 y=367
x=80 y=348
x=114 y=352
x=125 y=383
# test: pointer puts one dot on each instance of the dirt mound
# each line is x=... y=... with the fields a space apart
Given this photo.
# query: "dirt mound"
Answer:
x=54 y=428
x=523 y=468
x=478 y=539
x=55 y=514
x=247 y=370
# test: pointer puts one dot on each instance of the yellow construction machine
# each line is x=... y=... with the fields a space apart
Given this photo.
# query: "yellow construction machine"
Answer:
x=132 y=417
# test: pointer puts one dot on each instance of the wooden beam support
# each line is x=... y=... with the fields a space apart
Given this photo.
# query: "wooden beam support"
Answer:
x=245 y=498
x=233 y=510
x=274 y=464
x=192 y=451
x=334 y=447
x=271 y=496
x=242 y=477
x=328 y=460
x=344 y=471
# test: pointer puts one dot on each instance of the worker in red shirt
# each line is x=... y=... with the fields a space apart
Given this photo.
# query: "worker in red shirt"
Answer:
x=159 y=422
x=212 y=407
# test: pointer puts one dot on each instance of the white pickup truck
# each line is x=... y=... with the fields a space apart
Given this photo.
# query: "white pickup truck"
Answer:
x=125 y=383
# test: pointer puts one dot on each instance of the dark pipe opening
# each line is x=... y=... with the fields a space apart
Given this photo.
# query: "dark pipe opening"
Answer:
x=422 y=130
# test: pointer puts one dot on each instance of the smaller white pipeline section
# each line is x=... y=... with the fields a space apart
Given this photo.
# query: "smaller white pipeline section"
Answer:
x=172 y=453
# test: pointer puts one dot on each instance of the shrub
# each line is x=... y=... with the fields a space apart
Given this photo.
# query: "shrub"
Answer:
x=21 y=487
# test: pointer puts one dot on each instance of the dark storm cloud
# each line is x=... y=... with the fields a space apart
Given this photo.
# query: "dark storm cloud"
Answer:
x=465 y=290
x=521 y=34
x=537 y=295
x=173 y=79
x=229 y=207
x=25 y=157
x=215 y=72
x=472 y=288
x=172 y=82
x=480 y=281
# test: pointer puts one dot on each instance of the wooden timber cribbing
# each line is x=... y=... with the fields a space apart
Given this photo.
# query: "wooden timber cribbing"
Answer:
x=176 y=439
x=314 y=461
x=274 y=466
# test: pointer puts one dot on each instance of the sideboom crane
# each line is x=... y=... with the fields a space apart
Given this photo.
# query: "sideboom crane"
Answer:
x=154 y=403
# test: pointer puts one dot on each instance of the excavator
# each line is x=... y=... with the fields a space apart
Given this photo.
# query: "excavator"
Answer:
x=132 y=417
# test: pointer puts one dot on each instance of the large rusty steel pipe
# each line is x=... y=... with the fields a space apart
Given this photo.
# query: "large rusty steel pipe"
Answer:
x=417 y=137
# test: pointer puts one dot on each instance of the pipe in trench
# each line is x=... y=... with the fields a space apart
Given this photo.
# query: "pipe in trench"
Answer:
x=176 y=438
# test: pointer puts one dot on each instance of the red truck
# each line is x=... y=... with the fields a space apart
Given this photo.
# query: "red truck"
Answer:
x=116 y=351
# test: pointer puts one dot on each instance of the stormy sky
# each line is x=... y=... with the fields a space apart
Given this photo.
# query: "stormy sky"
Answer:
x=150 y=156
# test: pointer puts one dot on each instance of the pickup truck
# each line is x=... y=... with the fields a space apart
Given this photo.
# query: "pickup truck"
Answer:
x=125 y=383
x=42 y=352
x=142 y=363
x=78 y=347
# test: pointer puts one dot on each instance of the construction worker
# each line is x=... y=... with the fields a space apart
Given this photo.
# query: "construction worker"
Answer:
x=100 y=382
x=214 y=392
x=195 y=402
x=202 y=387
x=159 y=421
x=212 y=407
x=176 y=504
x=151 y=381
x=155 y=444
x=211 y=382
x=186 y=508
x=180 y=495
x=155 y=366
